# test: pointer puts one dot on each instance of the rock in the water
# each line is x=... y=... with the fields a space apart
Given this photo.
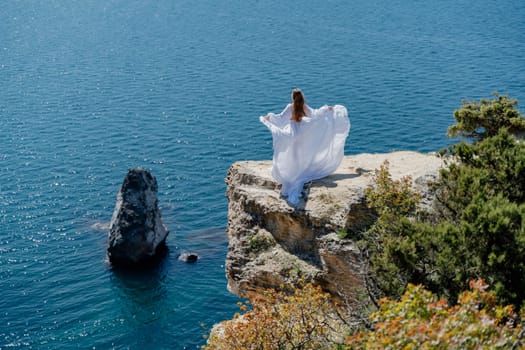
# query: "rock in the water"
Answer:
x=137 y=234
x=189 y=257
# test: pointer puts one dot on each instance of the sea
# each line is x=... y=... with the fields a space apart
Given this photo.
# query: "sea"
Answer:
x=92 y=88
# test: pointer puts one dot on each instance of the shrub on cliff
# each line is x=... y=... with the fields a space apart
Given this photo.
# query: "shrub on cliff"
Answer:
x=493 y=166
x=420 y=321
x=484 y=119
x=482 y=200
x=391 y=243
x=477 y=229
x=300 y=318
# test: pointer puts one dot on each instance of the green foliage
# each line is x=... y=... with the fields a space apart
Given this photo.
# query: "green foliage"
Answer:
x=420 y=321
x=391 y=197
x=489 y=241
x=484 y=119
x=495 y=165
x=480 y=201
x=303 y=318
x=392 y=242
x=260 y=242
x=342 y=233
x=477 y=229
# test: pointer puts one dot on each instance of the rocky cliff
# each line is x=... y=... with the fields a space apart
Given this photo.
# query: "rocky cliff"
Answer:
x=271 y=242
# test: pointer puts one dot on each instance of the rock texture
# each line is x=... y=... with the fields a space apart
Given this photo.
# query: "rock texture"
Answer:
x=137 y=235
x=189 y=257
x=271 y=242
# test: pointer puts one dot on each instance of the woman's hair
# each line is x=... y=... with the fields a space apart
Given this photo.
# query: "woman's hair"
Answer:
x=298 y=111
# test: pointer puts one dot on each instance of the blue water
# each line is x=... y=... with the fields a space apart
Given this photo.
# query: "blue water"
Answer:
x=89 y=89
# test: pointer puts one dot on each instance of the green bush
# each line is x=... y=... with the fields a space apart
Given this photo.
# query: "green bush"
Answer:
x=476 y=230
x=484 y=119
x=390 y=242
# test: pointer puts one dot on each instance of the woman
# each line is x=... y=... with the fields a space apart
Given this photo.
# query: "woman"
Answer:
x=308 y=144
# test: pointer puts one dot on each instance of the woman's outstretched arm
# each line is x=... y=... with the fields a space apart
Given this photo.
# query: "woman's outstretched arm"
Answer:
x=287 y=111
x=315 y=112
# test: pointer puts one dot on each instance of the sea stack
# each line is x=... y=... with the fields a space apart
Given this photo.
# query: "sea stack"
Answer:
x=137 y=235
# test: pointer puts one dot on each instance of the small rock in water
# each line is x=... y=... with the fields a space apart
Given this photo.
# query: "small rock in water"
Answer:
x=189 y=257
x=137 y=235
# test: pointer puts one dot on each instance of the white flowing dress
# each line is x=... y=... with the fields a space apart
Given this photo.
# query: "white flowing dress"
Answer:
x=307 y=150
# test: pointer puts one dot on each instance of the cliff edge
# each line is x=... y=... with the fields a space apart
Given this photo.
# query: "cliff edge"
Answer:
x=271 y=242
